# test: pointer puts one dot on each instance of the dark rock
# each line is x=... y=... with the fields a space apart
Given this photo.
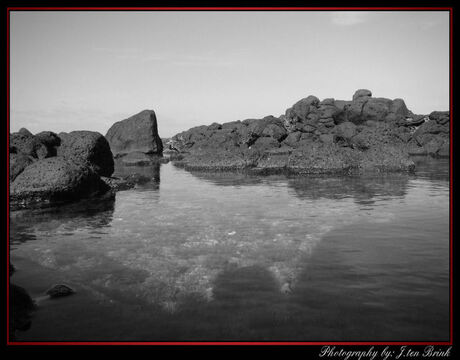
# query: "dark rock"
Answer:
x=29 y=144
x=50 y=140
x=137 y=133
x=24 y=131
x=88 y=146
x=336 y=135
x=60 y=290
x=54 y=180
x=21 y=306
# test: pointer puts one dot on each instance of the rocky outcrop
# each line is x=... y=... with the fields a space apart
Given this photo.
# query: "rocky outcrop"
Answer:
x=55 y=180
x=47 y=168
x=139 y=133
x=90 y=147
x=316 y=136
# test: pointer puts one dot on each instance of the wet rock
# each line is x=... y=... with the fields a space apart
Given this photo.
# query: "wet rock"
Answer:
x=21 y=306
x=54 y=180
x=60 y=290
x=88 y=146
x=137 y=158
x=137 y=133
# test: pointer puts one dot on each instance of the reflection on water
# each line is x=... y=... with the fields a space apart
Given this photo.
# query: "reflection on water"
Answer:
x=236 y=257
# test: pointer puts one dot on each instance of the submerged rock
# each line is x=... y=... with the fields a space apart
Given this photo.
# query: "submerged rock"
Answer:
x=21 y=306
x=60 y=290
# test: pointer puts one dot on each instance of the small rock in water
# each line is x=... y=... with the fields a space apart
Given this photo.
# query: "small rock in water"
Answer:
x=60 y=291
x=286 y=288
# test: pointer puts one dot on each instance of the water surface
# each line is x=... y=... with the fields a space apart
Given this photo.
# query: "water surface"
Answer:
x=200 y=256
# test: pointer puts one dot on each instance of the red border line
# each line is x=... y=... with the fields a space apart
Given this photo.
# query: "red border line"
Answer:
x=232 y=8
x=450 y=9
x=8 y=174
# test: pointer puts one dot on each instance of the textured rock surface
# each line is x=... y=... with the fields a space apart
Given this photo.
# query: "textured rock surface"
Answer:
x=137 y=133
x=316 y=136
x=88 y=146
x=54 y=179
x=18 y=162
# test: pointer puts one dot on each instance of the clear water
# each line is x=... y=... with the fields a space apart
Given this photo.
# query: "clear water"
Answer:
x=200 y=256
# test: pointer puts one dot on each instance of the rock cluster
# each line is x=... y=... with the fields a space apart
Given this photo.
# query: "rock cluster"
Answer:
x=47 y=168
x=316 y=136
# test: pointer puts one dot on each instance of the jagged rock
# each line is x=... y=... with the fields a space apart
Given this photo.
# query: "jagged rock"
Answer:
x=136 y=133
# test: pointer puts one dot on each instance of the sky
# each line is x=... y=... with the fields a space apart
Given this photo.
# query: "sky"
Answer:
x=86 y=70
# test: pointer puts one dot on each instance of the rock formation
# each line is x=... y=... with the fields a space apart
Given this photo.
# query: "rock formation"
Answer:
x=314 y=136
x=138 y=136
x=47 y=168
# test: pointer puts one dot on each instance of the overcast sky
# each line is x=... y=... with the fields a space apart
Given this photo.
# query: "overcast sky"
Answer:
x=87 y=70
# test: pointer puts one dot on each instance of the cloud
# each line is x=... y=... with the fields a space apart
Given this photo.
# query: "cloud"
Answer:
x=349 y=18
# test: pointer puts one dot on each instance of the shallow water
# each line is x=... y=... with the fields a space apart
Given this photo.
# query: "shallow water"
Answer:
x=200 y=256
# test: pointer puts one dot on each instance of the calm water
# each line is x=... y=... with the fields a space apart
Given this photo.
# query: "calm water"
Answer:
x=196 y=256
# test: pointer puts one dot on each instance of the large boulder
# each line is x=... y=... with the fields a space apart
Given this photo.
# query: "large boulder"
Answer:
x=55 y=179
x=88 y=146
x=137 y=133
